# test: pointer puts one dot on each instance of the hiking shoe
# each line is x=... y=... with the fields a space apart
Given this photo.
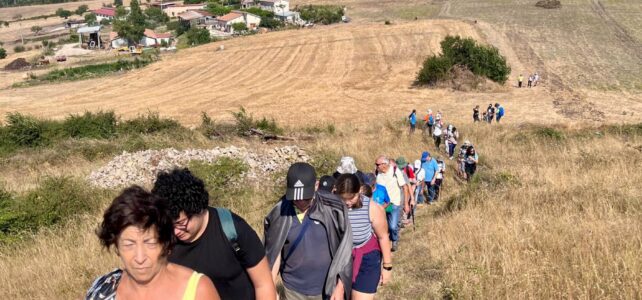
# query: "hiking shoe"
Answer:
x=395 y=245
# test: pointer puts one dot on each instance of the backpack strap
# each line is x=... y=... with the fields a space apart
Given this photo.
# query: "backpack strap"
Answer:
x=227 y=223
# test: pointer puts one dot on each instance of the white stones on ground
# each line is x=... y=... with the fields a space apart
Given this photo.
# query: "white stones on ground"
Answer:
x=141 y=167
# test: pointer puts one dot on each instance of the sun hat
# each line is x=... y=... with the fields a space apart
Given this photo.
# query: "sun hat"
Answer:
x=300 y=181
x=347 y=165
x=401 y=162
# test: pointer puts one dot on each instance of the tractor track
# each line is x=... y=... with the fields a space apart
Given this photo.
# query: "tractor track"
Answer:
x=628 y=41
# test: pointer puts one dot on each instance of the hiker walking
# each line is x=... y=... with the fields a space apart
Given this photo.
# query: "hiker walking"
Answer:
x=393 y=180
x=371 y=246
x=412 y=119
x=233 y=259
x=471 y=159
x=530 y=80
x=138 y=225
x=308 y=240
x=439 y=118
x=439 y=177
x=490 y=113
x=535 y=79
x=429 y=121
x=430 y=167
x=520 y=79
x=499 y=112
x=409 y=176
x=476 y=114
x=461 y=164
x=420 y=175
x=436 y=135
x=453 y=136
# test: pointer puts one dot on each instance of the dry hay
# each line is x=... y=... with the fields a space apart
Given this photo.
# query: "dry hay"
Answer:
x=462 y=79
x=549 y=4
x=17 y=64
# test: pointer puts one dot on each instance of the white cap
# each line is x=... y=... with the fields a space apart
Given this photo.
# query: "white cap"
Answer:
x=347 y=166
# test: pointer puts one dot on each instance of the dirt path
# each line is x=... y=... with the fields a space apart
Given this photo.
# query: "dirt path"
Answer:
x=627 y=40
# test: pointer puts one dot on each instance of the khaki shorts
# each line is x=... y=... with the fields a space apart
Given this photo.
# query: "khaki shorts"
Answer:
x=289 y=294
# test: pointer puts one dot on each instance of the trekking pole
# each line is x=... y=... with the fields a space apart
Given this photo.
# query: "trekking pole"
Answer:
x=412 y=211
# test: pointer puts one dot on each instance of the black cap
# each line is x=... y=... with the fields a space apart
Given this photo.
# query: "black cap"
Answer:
x=326 y=183
x=300 y=181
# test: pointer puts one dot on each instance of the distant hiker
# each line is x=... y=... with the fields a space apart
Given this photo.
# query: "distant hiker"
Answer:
x=453 y=137
x=421 y=176
x=520 y=79
x=235 y=261
x=485 y=116
x=471 y=159
x=535 y=79
x=139 y=226
x=439 y=177
x=393 y=179
x=430 y=167
x=436 y=135
x=370 y=242
x=429 y=121
x=490 y=113
x=326 y=183
x=412 y=119
x=308 y=240
x=476 y=114
x=461 y=164
x=530 y=80
x=439 y=119
x=499 y=112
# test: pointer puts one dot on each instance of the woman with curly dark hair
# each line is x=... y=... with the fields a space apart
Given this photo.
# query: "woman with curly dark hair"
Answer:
x=139 y=227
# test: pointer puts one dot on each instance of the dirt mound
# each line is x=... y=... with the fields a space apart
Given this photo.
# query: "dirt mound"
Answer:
x=462 y=79
x=17 y=64
x=549 y=4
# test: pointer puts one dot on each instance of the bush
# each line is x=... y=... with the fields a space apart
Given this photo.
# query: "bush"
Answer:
x=197 y=36
x=324 y=14
x=271 y=23
x=245 y=122
x=24 y=130
x=18 y=49
x=219 y=176
x=217 y=9
x=3 y=53
x=146 y=124
x=481 y=60
x=100 y=125
x=239 y=27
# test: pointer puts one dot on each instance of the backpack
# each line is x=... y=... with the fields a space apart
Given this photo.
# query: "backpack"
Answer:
x=227 y=223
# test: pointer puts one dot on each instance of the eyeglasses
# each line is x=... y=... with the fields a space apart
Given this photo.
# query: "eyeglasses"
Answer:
x=182 y=224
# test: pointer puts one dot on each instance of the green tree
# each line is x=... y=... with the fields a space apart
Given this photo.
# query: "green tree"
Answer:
x=105 y=22
x=63 y=13
x=217 y=9
x=197 y=36
x=193 y=1
x=156 y=16
x=36 y=29
x=271 y=23
x=91 y=19
x=133 y=26
x=3 y=53
x=239 y=27
x=82 y=9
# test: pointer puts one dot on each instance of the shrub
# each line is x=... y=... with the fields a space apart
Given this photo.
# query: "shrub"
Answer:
x=63 y=13
x=271 y=22
x=100 y=125
x=105 y=22
x=239 y=27
x=549 y=133
x=217 y=9
x=219 y=176
x=387 y=22
x=146 y=124
x=325 y=14
x=18 y=49
x=3 y=53
x=435 y=68
x=24 y=130
x=481 y=60
x=197 y=36
x=82 y=9
x=210 y=128
x=245 y=122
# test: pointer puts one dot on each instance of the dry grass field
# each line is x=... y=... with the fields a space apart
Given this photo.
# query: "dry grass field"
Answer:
x=554 y=214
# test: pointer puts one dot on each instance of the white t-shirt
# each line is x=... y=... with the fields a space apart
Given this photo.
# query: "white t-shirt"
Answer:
x=442 y=167
x=393 y=181
x=420 y=174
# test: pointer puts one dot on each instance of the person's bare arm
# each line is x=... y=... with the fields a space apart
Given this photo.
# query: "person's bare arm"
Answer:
x=275 y=269
x=262 y=279
x=339 y=291
x=380 y=226
x=206 y=290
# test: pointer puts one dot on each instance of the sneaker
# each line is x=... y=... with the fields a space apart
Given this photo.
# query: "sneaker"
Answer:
x=395 y=244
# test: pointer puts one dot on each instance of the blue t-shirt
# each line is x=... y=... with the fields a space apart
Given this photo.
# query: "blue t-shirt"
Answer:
x=380 y=195
x=500 y=111
x=430 y=167
x=413 y=118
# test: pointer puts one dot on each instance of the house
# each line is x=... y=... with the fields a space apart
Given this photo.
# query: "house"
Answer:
x=150 y=39
x=275 y=6
x=293 y=17
x=225 y=22
x=93 y=40
x=195 y=17
x=245 y=4
x=176 y=9
x=108 y=13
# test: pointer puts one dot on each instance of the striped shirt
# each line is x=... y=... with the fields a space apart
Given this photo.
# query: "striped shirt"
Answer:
x=360 y=223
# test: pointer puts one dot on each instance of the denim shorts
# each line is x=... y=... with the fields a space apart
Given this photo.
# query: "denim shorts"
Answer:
x=369 y=273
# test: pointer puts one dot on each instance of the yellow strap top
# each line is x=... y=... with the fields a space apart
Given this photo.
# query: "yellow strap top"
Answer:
x=192 y=284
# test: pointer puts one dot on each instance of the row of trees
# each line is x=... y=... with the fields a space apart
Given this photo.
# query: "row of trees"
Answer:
x=63 y=13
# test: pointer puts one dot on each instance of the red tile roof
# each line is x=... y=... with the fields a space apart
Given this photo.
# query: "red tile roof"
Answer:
x=152 y=34
x=229 y=17
x=105 y=11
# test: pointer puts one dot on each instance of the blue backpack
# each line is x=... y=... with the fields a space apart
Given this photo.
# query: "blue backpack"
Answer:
x=227 y=223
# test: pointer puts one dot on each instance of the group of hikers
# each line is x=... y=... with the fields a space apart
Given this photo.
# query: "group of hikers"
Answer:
x=327 y=238
x=533 y=79
x=492 y=112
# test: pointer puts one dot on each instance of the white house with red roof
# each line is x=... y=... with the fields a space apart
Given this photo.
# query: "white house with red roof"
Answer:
x=225 y=22
x=150 y=39
x=108 y=13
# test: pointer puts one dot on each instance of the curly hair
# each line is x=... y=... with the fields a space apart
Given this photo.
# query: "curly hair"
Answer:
x=137 y=207
x=183 y=191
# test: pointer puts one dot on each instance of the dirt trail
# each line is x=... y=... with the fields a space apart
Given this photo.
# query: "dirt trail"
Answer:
x=628 y=41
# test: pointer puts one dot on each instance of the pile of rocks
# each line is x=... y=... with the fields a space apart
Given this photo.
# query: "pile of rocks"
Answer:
x=141 y=167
